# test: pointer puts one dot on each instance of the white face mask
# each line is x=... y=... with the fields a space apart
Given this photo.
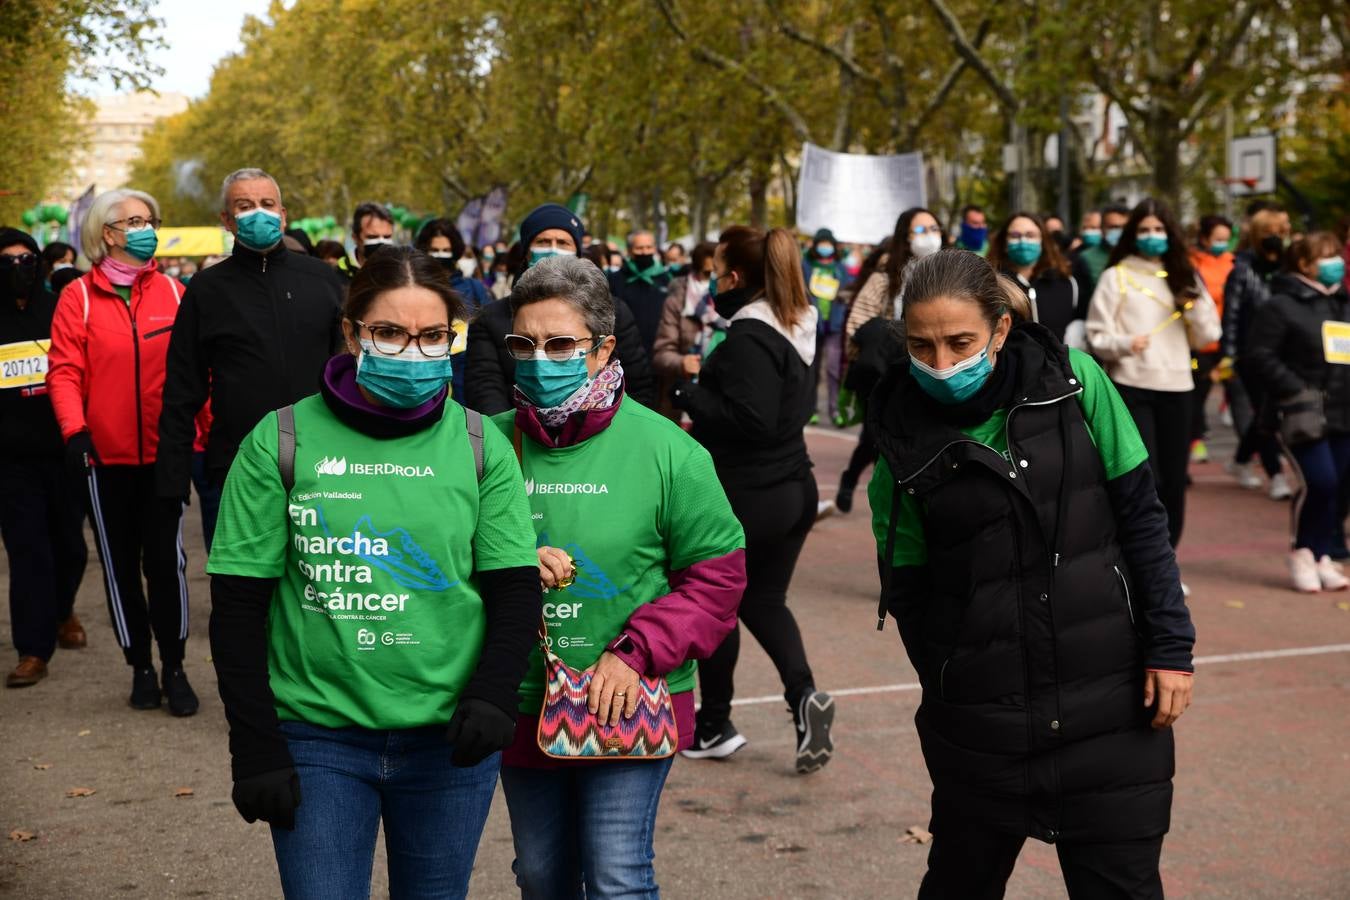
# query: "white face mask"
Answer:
x=466 y=266
x=925 y=244
x=64 y=265
x=441 y=254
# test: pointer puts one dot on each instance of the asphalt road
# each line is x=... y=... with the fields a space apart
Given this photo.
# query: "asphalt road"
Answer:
x=1263 y=786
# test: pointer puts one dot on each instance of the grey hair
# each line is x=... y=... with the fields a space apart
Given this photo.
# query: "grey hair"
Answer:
x=576 y=281
x=249 y=174
x=105 y=210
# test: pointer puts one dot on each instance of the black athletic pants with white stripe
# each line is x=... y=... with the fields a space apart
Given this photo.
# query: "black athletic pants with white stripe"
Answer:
x=135 y=533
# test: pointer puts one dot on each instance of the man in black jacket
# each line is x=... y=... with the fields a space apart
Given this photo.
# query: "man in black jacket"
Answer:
x=253 y=335
x=490 y=372
x=41 y=513
x=642 y=284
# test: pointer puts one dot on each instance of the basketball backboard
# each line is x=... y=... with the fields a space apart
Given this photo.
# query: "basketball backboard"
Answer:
x=1252 y=157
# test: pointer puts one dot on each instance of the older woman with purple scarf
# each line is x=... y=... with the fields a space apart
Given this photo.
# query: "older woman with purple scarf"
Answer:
x=644 y=566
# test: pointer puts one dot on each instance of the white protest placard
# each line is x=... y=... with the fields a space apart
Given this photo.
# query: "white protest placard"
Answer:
x=857 y=197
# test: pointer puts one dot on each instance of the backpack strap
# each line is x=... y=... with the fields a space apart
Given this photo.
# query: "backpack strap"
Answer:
x=473 y=421
x=84 y=289
x=286 y=446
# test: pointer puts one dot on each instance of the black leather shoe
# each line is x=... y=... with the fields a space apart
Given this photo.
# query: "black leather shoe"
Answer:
x=144 y=689
x=182 y=699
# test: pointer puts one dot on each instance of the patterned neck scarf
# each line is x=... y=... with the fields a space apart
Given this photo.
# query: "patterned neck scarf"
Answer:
x=598 y=393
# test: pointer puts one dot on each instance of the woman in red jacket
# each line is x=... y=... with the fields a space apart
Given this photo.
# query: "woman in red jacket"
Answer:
x=110 y=335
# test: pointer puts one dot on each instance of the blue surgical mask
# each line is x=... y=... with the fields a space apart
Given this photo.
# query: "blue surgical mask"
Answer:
x=1331 y=271
x=1150 y=245
x=404 y=381
x=973 y=236
x=825 y=251
x=1218 y=249
x=142 y=244
x=1112 y=236
x=546 y=252
x=1024 y=253
x=957 y=383
x=258 y=229
x=1091 y=237
x=547 y=383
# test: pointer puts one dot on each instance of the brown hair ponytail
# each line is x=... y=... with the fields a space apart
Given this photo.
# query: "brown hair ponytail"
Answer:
x=769 y=264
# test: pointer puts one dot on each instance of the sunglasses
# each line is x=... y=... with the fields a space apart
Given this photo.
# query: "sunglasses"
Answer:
x=23 y=259
x=558 y=348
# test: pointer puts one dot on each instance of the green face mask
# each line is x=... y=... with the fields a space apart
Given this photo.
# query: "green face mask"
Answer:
x=142 y=244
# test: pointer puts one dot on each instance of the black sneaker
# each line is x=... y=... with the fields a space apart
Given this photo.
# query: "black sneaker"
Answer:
x=716 y=743
x=144 y=689
x=813 y=716
x=182 y=700
x=843 y=500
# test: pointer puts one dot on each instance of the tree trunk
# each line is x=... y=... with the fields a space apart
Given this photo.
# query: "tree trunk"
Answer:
x=701 y=196
x=761 y=173
x=1164 y=146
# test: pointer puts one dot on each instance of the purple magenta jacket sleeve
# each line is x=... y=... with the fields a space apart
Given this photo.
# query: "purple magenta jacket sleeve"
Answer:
x=688 y=623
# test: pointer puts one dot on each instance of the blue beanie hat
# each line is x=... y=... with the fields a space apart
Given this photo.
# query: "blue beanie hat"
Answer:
x=550 y=215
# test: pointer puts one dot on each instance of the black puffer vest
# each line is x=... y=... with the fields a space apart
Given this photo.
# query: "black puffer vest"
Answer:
x=1032 y=719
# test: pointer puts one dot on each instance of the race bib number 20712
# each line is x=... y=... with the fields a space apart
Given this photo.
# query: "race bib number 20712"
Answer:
x=23 y=364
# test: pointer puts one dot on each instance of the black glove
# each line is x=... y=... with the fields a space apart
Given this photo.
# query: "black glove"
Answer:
x=271 y=796
x=80 y=453
x=477 y=730
x=679 y=394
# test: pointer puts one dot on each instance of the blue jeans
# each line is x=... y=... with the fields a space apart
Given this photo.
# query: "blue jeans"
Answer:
x=1323 y=465
x=585 y=831
x=350 y=780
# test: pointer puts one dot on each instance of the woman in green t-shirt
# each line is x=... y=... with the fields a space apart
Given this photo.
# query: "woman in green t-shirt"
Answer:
x=1028 y=567
x=644 y=563
x=373 y=581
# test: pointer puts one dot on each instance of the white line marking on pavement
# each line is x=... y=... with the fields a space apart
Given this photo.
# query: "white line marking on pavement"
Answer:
x=1253 y=656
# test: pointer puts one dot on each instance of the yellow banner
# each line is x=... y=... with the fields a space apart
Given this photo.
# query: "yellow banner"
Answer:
x=206 y=240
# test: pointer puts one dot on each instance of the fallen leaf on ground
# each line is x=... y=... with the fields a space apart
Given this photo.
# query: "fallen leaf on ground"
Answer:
x=1343 y=605
x=83 y=733
x=1234 y=604
x=81 y=792
x=916 y=834
x=21 y=835
x=182 y=792
x=42 y=767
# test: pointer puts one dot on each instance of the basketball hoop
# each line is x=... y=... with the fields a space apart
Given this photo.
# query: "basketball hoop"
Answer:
x=1249 y=183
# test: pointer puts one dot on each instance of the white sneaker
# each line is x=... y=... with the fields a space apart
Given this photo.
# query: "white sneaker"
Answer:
x=1330 y=574
x=1305 y=571
x=1279 y=488
x=1244 y=475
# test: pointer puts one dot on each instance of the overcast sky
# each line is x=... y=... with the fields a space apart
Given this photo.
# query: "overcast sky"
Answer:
x=197 y=34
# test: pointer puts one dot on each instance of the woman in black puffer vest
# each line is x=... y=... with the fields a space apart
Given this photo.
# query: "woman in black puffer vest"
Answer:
x=1287 y=354
x=1037 y=595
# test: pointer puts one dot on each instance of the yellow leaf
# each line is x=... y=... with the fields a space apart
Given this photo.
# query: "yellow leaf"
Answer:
x=1343 y=605
x=1234 y=604
x=19 y=834
x=42 y=767
x=182 y=792
x=81 y=792
x=83 y=733
x=916 y=834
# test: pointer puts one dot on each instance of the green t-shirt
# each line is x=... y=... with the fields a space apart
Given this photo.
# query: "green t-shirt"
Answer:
x=1109 y=423
x=631 y=504
x=377 y=620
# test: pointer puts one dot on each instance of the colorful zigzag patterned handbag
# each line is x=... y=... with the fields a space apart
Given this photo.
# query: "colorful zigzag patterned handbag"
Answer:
x=568 y=730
